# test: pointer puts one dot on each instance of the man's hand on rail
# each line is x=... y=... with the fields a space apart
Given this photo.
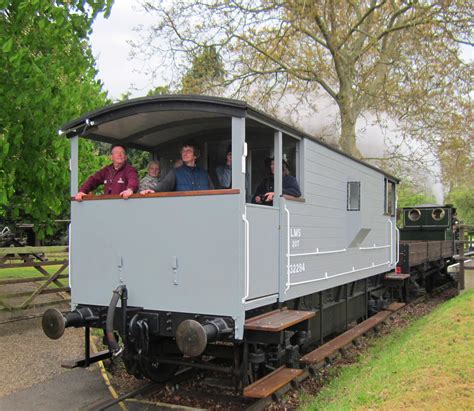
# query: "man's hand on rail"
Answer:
x=79 y=196
x=126 y=193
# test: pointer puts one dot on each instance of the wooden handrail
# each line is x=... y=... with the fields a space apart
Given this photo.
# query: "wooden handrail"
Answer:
x=164 y=194
x=293 y=198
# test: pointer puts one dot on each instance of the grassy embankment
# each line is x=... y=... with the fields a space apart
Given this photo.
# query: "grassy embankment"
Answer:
x=429 y=365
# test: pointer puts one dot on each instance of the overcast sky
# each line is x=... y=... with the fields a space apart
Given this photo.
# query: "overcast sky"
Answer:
x=110 y=47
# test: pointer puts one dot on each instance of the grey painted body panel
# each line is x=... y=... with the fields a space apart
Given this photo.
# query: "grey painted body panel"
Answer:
x=137 y=242
x=264 y=249
x=321 y=230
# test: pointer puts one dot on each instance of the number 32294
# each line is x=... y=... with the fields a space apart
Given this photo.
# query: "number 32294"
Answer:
x=297 y=268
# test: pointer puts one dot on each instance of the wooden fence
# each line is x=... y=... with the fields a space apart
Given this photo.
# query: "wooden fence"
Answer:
x=466 y=242
x=24 y=293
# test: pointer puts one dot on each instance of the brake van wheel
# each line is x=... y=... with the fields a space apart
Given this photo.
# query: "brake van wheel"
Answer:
x=157 y=372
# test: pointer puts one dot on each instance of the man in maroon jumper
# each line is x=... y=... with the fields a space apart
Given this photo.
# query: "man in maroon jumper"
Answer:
x=118 y=178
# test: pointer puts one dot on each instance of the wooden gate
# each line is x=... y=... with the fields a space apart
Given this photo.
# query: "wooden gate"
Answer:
x=21 y=291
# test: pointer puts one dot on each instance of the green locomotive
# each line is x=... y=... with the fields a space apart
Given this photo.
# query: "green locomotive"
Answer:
x=427 y=243
x=428 y=223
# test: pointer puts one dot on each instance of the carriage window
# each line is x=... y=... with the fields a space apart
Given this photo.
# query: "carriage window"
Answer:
x=353 y=196
x=389 y=197
x=260 y=165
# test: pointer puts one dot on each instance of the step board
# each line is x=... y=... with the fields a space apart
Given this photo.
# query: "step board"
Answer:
x=395 y=306
x=398 y=277
x=277 y=320
x=271 y=383
x=320 y=353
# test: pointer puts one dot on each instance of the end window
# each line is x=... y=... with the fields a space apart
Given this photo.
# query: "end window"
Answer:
x=389 y=206
x=353 y=196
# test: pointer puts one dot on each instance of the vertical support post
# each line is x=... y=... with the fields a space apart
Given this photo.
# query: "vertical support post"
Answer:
x=301 y=150
x=124 y=303
x=321 y=317
x=244 y=374
x=239 y=168
x=347 y=305
x=366 y=287
x=74 y=165
x=405 y=291
x=239 y=153
x=278 y=157
x=461 y=256
x=87 y=345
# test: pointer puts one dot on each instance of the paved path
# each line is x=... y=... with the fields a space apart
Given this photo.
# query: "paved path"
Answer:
x=31 y=377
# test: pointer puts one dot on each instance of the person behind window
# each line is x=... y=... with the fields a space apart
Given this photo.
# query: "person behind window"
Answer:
x=118 y=178
x=266 y=189
x=224 y=172
x=187 y=177
x=151 y=180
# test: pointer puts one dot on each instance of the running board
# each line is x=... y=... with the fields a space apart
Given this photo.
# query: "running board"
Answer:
x=321 y=353
x=395 y=306
x=277 y=320
x=271 y=383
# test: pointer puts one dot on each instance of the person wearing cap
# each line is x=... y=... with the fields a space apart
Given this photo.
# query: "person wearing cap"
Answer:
x=265 y=191
x=224 y=172
x=187 y=177
x=118 y=178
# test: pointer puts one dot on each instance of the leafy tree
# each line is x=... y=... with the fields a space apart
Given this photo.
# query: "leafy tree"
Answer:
x=207 y=71
x=396 y=57
x=463 y=199
x=159 y=90
x=408 y=196
x=456 y=156
x=47 y=78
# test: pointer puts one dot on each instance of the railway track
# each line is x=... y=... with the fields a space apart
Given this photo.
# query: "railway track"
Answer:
x=146 y=389
x=314 y=365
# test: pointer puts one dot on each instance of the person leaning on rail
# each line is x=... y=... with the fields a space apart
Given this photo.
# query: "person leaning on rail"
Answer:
x=118 y=178
x=187 y=177
x=151 y=180
x=266 y=189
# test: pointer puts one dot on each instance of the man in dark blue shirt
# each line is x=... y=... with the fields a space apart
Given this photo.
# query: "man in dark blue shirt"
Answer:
x=188 y=176
x=265 y=191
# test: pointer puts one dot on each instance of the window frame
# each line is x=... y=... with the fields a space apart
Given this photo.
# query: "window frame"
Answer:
x=349 y=192
x=389 y=207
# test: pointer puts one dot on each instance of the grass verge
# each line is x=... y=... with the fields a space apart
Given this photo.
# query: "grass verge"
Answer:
x=429 y=365
x=26 y=272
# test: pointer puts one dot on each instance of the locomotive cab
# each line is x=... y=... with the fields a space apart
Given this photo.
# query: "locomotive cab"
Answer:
x=428 y=222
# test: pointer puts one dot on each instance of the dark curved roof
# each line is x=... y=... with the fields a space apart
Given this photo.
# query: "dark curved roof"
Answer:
x=145 y=122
